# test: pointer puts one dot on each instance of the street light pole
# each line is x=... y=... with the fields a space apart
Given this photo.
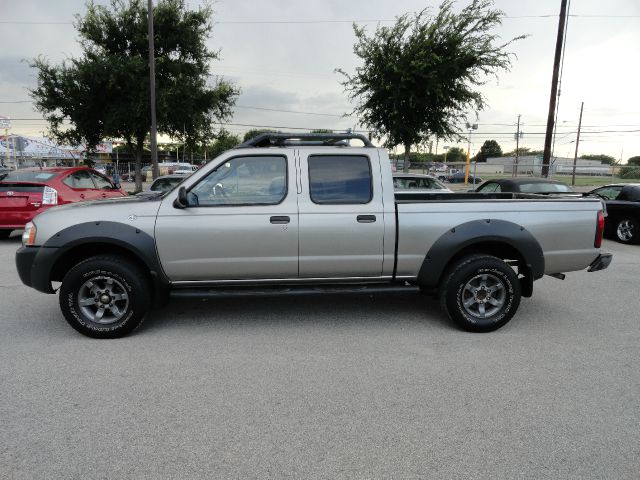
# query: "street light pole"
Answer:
x=152 y=90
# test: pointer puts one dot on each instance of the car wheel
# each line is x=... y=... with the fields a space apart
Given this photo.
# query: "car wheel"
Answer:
x=480 y=293
x=628 y=230
x=105 y=296
x=5 y=234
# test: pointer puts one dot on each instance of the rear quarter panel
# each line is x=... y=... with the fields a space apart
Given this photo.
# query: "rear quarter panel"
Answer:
x=564 y=229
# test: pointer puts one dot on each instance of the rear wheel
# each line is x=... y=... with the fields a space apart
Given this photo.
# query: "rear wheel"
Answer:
x=5 y=233
x=628 y=230
x=105 y=296
x=480 y=293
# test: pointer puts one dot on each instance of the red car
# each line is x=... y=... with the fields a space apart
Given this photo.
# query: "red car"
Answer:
x=27 y=192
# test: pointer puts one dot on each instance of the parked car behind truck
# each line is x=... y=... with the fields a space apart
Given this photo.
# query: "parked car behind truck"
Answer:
x=623 y=207
x=28 y=192
x=286 y=212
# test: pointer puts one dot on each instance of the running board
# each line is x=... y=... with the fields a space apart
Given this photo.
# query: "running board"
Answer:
x=229 y=292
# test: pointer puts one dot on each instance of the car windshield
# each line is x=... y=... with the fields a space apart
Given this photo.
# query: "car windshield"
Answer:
x=545 y=188
x=29 y=176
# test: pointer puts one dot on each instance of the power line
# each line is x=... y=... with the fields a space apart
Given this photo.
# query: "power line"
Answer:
x=322 y=21
x=316 y=127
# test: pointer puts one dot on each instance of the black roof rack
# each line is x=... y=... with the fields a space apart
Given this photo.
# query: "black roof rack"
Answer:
x=304 y=139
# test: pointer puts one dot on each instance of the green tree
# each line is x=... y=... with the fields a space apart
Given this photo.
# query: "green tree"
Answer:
x=490 y=148
x=105 y=91
x=224 y=142
x=608 y=159
x=456 y=154
x=419 y=77
x=634 y=161
x=321 y=130
x=522 y=151
x=255 y=132
x=632 y=169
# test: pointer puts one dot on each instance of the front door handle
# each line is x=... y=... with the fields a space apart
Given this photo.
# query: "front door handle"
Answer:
x=366 y=218
x=279 y=220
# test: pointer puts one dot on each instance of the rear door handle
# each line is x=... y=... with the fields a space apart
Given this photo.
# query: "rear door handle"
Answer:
x=366 y=218
x=278 y=220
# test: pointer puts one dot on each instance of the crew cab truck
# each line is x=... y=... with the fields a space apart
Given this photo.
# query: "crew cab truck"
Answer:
x=292 y=213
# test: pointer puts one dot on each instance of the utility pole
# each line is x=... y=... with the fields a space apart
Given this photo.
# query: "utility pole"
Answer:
x=546 y=158
x=152 y=90
x=515 y=165
x=575 y=157
x=466 y=170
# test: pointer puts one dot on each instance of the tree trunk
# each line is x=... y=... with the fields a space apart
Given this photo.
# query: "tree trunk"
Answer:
x=407 y=152
x=138 y=173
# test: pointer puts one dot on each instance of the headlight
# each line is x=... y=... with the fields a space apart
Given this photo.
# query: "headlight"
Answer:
x=29 y=235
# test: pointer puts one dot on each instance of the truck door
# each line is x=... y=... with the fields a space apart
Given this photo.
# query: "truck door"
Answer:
x=341 y=213
x=241 y=222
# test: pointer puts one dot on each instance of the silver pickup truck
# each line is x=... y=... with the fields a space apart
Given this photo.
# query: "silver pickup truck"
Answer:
x=304 y=214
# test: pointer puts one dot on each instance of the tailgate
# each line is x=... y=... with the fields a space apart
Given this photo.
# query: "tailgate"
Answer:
x=20 y=196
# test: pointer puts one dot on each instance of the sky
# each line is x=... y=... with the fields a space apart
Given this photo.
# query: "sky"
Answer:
x=283 y=53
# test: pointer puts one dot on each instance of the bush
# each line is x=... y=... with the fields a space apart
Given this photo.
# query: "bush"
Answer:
x=630 y=172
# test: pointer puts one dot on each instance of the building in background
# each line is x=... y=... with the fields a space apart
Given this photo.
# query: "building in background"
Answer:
x=532 y=165
x=20 y=151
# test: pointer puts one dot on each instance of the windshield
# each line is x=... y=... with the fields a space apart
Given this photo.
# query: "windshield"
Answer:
x=29 y=176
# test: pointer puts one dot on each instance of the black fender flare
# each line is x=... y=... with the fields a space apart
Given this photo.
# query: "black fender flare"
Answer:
x=138 y=243
x=477 y=232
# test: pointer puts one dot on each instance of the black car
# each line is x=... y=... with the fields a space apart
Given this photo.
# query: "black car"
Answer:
x=623 y=211
x=526 y=185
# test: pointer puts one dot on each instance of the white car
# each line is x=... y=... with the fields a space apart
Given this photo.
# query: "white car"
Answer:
x=185 y=170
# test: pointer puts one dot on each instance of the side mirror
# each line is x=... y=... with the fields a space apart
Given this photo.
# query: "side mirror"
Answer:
x=181 y=200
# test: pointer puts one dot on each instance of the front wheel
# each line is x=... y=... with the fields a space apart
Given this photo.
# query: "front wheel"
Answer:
x=628 y=230
x=480 y=293
x=105 y=296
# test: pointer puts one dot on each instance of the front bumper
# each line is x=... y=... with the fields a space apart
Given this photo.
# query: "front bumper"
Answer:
x=600 y=263
x=34 y=267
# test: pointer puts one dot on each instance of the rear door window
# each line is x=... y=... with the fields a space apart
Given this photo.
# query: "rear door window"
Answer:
x=79 y=179
x=340 y=179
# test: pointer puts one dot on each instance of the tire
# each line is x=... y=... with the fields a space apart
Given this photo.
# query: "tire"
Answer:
x=627 y=230
x=115 y=296
x=5 y=233
x=480 y=293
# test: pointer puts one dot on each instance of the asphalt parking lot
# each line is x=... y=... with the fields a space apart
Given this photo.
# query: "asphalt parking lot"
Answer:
x=327 y=387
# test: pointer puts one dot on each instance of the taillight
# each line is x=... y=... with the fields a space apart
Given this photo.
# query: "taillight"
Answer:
x=49 y=196
x=599 y=230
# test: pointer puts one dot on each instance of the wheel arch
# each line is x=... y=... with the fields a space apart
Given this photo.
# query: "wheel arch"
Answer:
x=74 y=244
x=499 y=238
